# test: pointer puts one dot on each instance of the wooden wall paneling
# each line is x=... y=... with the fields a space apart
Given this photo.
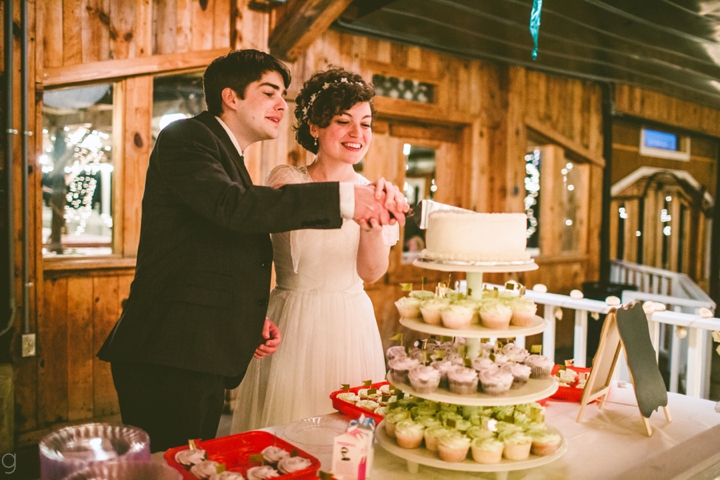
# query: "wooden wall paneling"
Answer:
x=95 y=30
x=144 y=29
x=582 y=220
x=614 y=225
x=516 y=141
x=80 y=347
x=52 y=351
x=594 y=226
x=106 y=311
x=71 y=31
x=649 y=228
x=550 y=226
x=251 y=27
x=414 y=58
x=631 y=225
x=165 y=26
x=122 y=20
x=474 y=161
x=136 y=144
x=222 y=13
x=183 y=29
x=674 y=228
x=202 y=25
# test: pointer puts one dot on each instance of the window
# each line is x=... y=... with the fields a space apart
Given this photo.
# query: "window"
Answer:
x=419 y=185
x=656 y=143
x=404 y=89
x=176 y=97
x=77 y=170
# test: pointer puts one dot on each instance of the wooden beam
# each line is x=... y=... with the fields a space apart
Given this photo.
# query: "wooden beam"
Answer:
x=566 y=143
x=303 y=23
x=112 y=69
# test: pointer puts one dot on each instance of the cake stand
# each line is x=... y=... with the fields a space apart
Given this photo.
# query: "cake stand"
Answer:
x=535 y=389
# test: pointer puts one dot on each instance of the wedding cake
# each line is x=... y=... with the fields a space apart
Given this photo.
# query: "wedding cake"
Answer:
x=476 y=237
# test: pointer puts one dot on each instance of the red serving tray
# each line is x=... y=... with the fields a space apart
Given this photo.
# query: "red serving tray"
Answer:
x=350 y=409
x=235 y=450
x=571 y=393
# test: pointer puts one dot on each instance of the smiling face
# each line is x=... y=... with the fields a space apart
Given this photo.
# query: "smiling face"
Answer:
x=257 y=116
x=348 y=136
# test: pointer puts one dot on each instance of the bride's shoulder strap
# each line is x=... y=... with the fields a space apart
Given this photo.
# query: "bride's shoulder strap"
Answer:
x=285 y=174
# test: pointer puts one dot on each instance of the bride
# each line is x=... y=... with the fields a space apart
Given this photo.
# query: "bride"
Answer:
x=330 y=335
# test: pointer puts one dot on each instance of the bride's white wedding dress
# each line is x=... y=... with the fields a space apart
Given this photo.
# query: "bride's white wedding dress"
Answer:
x=326 y=320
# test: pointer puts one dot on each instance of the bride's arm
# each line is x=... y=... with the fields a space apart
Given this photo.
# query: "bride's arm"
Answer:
x=372 y=259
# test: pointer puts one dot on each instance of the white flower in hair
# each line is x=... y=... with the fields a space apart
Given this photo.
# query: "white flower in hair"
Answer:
x=325 y=86
x=343 y=80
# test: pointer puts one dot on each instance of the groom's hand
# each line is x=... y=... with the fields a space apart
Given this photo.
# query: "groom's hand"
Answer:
x=271 y=334
x=370 y=206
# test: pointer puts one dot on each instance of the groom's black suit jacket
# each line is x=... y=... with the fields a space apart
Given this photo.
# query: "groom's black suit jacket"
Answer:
x=202 y=281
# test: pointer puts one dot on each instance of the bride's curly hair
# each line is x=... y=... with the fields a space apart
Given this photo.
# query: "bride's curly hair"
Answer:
x=325 y=95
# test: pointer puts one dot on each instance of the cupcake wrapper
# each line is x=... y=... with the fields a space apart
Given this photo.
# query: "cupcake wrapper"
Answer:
x=540 y=372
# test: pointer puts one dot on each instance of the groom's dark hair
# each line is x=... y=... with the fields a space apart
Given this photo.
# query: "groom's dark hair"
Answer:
x=237 y=70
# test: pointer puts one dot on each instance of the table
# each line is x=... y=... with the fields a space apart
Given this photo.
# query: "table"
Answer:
x=608 y=443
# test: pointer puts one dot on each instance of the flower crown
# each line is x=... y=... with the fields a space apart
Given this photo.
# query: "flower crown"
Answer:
x=325 y=86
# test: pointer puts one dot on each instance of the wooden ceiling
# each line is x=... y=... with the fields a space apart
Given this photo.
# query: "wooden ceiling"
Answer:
x=671 y=46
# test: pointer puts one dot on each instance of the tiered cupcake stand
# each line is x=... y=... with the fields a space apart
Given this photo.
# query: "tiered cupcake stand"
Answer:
x=535 y=389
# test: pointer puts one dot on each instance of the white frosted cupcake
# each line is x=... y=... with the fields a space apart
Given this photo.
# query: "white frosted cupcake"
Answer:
x=523 y=312
x=392 y=419
x=422 y=295
x=204 y=469
x=190 y=457
x=399 y=367
x=541 y=366
x=261 y=473
x=495 y=381
x=272 y=455
x=424 y=379
x=481 y=363
x=433 y=434
x=368 y=405
x=396 y=351
x=431 y=310
x=463 y=381
x=544 y=442
x=495 y=314
x=227 y=476
x=520 y=373
x=409 y=307
x=475 y=320
x=453 y=447
x=293 y=464
x=517 y=445
x=487 y=450
x=514 y=352
x=349 y=397
x=457 y=317
x=409 y=434
x=443 y=366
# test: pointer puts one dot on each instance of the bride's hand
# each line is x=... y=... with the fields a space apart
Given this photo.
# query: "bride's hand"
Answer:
x=271 y=334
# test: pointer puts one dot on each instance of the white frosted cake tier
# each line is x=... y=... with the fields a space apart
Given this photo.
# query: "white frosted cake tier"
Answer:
x=467 y=236
x=475 y=331
x=423 y=456
x=535 y=389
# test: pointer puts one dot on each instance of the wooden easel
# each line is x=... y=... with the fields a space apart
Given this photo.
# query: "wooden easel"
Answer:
x=603 y=366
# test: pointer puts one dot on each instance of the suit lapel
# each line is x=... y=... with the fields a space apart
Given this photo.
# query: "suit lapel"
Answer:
x=211 y=122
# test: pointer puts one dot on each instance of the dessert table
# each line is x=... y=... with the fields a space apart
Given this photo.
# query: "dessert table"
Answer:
x=608 y=443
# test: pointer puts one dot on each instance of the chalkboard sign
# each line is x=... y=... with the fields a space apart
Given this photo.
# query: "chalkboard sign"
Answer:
x=627 y=328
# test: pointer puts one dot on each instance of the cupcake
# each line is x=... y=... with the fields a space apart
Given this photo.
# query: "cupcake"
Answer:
x=272 y=455
x=431 y=309
x=392 y=418
x=432 y=435
x=428 y=421
x=541 y=366
x=495 y=314
x=495 y=381
x=368 y=405
x=523 y=312
x=204 y=469
x=457 y=317
x=349 y=397
x=443 y=366
x=261 y=473
x=424 y=409
x=520 y=373
x=544 y=442
x=409 y=307
x=463 y=381
x=399 y=368
x=190 y=457
x=453 y=447
x=409 y=434
x=515 y=353
x=293 y=464
x=422 y=295
x=481 y=363
x=227 y=476
x=517 y=445
x=487 y=450
x=476 y=431
x=396 y=351
x=424 y=379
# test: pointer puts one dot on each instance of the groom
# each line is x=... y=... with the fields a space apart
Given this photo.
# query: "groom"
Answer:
x=196 y=311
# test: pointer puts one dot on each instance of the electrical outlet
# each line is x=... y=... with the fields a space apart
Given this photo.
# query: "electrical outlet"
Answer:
x=28 y=345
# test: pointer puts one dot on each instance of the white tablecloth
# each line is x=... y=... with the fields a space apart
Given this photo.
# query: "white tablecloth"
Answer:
x=608 y=443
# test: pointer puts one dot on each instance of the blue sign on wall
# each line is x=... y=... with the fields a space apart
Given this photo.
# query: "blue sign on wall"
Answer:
x=661 y=140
